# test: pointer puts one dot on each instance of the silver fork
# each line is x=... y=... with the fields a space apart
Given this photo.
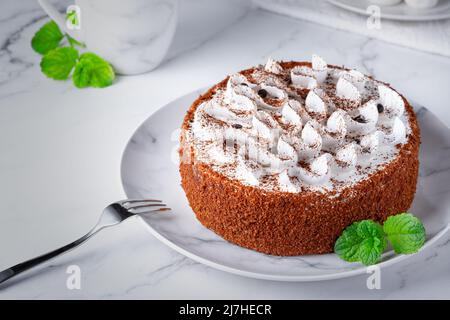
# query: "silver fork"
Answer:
x=112 y=215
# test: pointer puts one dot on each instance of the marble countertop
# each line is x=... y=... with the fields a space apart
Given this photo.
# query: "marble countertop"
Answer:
x=62 y=149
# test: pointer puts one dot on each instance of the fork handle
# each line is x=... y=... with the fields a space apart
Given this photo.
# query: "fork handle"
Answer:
x=24 y=266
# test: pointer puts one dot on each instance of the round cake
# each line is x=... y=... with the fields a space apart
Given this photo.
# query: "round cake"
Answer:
x=282 y=157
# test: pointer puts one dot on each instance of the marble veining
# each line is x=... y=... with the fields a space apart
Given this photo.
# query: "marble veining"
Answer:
x=39 y=118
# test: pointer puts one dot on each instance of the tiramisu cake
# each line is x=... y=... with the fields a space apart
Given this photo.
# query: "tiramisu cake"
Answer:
x=280 y=158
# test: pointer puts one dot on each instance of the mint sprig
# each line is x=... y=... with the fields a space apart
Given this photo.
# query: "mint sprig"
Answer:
x=59 y=62
x=365 y=241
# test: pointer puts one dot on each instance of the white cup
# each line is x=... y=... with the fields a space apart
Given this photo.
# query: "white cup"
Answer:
x=422 y=4
x=133 y=35
x=386 y=2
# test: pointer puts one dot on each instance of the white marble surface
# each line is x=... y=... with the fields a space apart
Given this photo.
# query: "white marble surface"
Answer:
x=61 y=152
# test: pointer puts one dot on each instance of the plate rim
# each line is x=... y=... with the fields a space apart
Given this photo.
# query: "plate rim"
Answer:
x=290 y=278
x=260 y=275
x=437 y=16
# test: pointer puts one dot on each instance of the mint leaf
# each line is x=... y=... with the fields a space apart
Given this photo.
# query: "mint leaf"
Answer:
x=374 y=242
x=58 y=63
x=370 y=229
x=93 y=71
x=47 y=38
x=362 y=241
x=370 y=250
x=347 y=245
x=405 y=232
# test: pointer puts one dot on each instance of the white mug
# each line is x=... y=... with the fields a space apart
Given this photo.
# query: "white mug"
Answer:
x=133 y=35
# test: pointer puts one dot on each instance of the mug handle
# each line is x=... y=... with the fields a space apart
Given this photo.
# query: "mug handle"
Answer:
x=60 y=20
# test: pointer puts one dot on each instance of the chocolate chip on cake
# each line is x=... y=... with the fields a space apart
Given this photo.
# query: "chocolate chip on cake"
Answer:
x=380 y=108
x=262 y=93
x=360 y=119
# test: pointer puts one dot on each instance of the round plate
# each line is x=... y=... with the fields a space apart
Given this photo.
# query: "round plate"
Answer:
x=150 y=170
x=398 y=12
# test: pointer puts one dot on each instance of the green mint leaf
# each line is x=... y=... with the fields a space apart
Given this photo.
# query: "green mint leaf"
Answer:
x=92 y=71
x=58 y=63
x=47 y=38
x=405 y=232
x=374 y=242
x=370 y=250
x=362 y=241
x=347 y=245
x=370 y=229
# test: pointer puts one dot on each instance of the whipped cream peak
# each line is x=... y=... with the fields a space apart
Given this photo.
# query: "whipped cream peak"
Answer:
x=334 y=132
x=397 y=133
x=314 y=103
x=242 y=103
x=318 y=64
x=303 y=77
x=319 y=67
x=364 y=121
x=285 y=151
x=369 y=112
x=286 y=182
x=238 y=79
x=369 y=143
x=346 y=90
x=248 y=171
x=273 y=66
x=355 y=77
x=238 y=85
x=318 y=171
x=310 y=142
x=320 y=165
x=310 y=136
x=290 y=116
x=346 y=156
x=221 y=113
x=336 y=123
x=265 y=125
x=255 y=150
x=392 y=102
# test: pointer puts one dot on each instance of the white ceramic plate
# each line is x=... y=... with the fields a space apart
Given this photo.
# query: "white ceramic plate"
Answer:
x=398 y=12
x=149 y=170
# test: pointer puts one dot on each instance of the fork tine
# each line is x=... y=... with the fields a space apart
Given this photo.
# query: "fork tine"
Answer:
x=156 y=210
x=129 y=201
x=147 y=206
